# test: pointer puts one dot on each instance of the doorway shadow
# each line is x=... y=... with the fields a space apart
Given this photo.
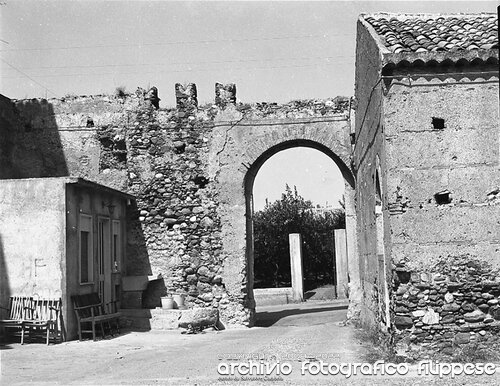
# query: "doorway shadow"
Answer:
x=269 y=318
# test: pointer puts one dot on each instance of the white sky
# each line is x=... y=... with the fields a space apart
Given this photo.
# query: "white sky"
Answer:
x=273 y=51
x=315 y=175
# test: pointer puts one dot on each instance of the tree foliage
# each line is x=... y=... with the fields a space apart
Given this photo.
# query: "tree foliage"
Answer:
x=293 y=214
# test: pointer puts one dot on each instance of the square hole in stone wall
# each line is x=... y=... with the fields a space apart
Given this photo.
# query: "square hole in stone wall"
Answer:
x=438 y=123
x=443 y=198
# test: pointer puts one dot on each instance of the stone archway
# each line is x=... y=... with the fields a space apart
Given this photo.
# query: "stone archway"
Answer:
x=250 y=178
x=240 y=147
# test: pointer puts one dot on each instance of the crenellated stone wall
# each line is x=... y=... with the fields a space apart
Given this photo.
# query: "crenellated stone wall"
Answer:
x=191 y=169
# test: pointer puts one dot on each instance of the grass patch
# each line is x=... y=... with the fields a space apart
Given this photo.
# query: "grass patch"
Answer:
x=378 y=346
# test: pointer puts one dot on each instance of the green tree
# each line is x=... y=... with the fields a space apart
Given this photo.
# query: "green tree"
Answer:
x=293 y=214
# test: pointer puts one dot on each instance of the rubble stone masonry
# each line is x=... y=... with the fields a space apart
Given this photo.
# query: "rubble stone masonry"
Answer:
x=186 y=166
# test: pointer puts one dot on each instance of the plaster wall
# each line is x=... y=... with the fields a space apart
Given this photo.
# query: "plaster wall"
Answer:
x=369 y=146
x=32 y=242
x=462 y=158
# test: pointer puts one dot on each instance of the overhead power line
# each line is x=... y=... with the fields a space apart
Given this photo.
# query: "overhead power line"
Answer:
x=188 y=63
x=188 y=70
x=174 y=43
x=29 y=77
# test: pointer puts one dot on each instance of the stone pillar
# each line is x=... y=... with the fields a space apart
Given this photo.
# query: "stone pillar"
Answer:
x=186 y=96
x=225 y=94
x=295 y=240
x=341 y=263
x=355 y=291
x=152 y=97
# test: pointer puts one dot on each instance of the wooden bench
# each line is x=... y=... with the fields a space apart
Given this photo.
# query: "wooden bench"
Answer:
x=16 y=314
x=90 y=312
x=42 y=316
x=30 y=315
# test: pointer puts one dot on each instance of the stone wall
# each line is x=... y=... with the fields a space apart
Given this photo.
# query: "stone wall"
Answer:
x=189 y=168
x=452 y=312
x=442 y=145
x=368 y=150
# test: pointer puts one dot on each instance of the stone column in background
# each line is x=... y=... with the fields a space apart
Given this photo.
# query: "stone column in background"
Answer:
x=295 y=240
x=341 y=263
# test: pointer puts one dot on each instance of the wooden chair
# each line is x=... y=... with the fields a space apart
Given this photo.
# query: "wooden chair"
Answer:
x=90 y=312
x=42 y=316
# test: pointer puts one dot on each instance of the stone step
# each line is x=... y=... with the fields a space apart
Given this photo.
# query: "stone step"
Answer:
x=136 y=319
x=272 y=296
x=141 y=319
x=165 y=319
x=272 y=300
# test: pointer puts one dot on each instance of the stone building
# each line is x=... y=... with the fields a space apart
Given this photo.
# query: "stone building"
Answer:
x=426 y=160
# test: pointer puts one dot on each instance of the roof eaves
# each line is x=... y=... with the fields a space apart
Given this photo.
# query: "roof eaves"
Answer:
x=94 y=185
x=440 y=57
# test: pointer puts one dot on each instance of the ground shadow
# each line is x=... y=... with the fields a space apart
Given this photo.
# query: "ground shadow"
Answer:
x=4 y=295
x=268 y=318
x=137 y=263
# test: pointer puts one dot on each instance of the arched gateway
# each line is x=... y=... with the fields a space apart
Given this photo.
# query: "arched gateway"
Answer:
x=244 y=144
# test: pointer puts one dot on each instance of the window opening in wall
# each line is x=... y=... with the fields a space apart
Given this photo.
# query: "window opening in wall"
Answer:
x=85 y=250
x=438 y=123
x=443 y=198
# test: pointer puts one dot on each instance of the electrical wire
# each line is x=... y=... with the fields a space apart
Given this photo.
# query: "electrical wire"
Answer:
x=29 y=77
x=189 y=63
x=172 y=43
x=188 y=70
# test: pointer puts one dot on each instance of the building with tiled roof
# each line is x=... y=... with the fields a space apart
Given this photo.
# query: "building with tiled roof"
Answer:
x=426 y=156
x=430 y=36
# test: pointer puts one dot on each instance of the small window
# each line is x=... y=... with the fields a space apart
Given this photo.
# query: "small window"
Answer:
x=117 y=246
x=85 y=249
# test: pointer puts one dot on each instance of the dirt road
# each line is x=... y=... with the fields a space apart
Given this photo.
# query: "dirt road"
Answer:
x=290 y=334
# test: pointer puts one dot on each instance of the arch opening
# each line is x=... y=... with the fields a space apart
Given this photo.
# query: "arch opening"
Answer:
x=346 y=178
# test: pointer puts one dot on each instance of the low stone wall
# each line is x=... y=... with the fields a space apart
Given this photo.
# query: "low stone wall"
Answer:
x=449 y=310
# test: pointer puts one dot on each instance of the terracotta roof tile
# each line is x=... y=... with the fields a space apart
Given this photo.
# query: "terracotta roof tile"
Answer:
x=424 y=33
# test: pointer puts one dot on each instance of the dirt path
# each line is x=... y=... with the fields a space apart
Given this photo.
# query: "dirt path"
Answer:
x=170 y=357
